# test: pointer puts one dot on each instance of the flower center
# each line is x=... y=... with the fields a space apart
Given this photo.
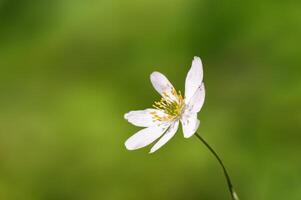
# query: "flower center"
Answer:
x=171 y=104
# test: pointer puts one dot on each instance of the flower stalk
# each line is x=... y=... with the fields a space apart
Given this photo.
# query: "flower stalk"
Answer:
x=229 y=183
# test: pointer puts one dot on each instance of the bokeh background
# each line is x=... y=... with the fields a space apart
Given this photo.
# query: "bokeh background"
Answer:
x=70 y=69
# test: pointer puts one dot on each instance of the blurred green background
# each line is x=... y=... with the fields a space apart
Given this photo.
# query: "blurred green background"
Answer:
x=70 y=69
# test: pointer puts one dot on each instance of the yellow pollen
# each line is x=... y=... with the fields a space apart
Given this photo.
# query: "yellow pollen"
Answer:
x=170 y=104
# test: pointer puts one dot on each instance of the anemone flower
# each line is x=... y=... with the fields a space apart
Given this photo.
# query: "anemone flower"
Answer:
x=162 y=121
x=164 y=118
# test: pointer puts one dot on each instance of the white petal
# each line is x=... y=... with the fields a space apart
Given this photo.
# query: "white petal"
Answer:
x=197 y=100
x=194 y=78
x=190 y=124
x=161 y=83
x=144 y=137
x=143 y=118
x=166 y=137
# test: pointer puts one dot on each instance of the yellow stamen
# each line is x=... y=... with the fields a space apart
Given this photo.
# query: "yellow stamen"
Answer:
x=170 y=104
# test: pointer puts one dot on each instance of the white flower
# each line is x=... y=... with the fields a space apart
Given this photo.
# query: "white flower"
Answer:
x=164 y=118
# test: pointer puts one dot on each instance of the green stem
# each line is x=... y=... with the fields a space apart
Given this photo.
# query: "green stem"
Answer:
x=230 y=186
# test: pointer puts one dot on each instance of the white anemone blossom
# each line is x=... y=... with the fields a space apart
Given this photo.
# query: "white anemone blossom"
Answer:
x=162 y=121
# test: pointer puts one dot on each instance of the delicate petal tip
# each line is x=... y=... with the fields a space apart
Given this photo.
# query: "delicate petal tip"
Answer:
x=188 y=136
x=151 y=151
x=196 y=58
x=126 y=115
x=161 y=83
x=154 y=75
x=127 y=146
x=197 y=61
